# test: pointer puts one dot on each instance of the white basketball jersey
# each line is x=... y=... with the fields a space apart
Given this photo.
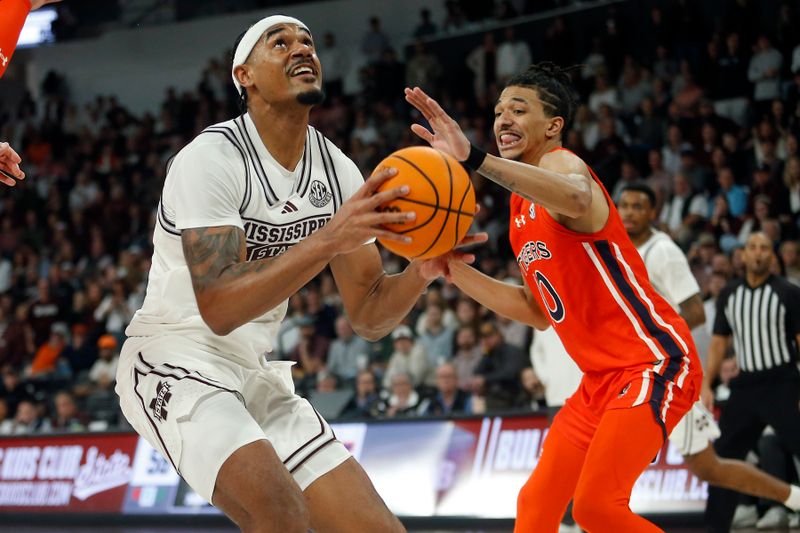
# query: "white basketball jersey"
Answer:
x=226 y=177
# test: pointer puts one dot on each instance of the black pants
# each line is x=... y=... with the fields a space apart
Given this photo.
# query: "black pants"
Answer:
x=750 y=409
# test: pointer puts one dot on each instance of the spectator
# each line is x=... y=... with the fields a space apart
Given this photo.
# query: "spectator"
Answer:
x=685 y=212
x=80 y=354
x=497 y=375
x=404 y=400
x=408 y=358
x=323 y=314
x=26 y=421
x=349 y=353
x=448 y=398
x=67 y=417
x=103 y=373
x=366 y=403
x=423 y=70
x=44 y=312
x=467 y=356
x=44 y=362
x=513 y=56
x=482 y=62
x=603 y=94
x=426 y=27
x=436 y=338
x=791 y=179
x=18 y=339
x=374 y=41
x=764 y=71
x=311 y=351
x=736 y=195
x=790 y=257
x=531 y=396
x=116 y=310
x=336 y=64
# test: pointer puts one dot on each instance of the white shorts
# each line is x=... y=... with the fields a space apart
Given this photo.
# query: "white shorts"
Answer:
x=197 y=408
x=695 y=431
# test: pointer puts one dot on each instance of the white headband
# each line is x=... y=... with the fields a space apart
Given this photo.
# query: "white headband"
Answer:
x=252 y=36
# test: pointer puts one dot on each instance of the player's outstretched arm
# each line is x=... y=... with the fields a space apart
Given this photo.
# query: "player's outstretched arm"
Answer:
x=511 y=301
x=559 y=184
x=231 y=291
x=9 y=163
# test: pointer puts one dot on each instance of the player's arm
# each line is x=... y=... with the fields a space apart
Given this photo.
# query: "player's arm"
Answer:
x=231 y=291
x=692 y=311
x=12 y=17
x=511 y=301
x=720 y=342
x=374 y=301
x=561 y=183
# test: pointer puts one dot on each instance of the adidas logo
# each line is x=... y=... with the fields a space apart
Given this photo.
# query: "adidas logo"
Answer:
x=288 y=208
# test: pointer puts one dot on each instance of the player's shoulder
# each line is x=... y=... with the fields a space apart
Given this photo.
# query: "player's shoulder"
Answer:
x=564 y=161
x=220 y=138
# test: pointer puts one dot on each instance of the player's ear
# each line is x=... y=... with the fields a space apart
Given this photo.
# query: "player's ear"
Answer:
x=554 y=127
x=243 y=75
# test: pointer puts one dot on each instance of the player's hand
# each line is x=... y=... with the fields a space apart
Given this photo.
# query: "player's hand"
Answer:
x=707 y=397
x=9 y=162
x=358 y=220
x=36 y=4
x=438 y=267
x=447 y=136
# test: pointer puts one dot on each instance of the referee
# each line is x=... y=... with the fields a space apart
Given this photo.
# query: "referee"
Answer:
x=761 y=314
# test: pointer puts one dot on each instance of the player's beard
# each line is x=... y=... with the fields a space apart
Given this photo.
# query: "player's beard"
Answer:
x=312 y=97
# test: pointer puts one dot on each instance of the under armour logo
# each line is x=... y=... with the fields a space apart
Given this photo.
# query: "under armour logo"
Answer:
x=624 y=390
x=519 y=221
x=159 y=403
x=3 y=58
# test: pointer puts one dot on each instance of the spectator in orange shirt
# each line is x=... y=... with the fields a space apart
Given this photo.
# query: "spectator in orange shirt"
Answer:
x=48 y=353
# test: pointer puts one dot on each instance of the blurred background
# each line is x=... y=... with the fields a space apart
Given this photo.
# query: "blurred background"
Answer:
x=697 y=99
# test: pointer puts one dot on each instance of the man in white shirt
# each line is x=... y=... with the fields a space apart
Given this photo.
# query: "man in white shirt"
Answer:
x=513 y=56
x=670 y=275
x=252 y=210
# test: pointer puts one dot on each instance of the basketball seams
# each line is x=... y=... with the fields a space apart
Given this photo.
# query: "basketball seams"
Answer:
x=447 y=212
x=432 y=229
x=459 y=212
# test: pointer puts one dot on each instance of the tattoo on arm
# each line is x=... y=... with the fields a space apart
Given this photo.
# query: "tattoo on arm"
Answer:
x=215 y=252
x=500 y=179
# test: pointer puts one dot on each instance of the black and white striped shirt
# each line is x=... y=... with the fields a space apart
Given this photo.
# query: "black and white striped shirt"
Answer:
x=764 y=322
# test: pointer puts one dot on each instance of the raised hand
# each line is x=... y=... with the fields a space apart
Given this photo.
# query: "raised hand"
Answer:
x=9 y=162
x=447 y=135
x=437 y=267
x=358 y=219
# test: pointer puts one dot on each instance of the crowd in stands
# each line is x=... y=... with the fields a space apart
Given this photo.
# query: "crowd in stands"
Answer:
x=705 y=112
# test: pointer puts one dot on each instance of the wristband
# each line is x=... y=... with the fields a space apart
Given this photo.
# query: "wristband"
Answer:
x=475 y=158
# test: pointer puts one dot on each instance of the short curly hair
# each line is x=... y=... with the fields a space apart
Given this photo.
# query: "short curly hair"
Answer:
x=554 y=87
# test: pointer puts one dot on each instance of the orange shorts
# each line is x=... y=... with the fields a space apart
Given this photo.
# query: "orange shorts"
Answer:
x=623 y=389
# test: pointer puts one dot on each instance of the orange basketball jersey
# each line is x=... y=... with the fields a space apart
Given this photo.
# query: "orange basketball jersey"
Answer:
x=596 y=292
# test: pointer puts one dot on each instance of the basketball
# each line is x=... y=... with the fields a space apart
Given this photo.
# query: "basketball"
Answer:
x=441 y=194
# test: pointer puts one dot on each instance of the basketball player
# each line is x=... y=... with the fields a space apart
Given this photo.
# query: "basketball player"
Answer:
x=252 y=209
x=641 y=370
x=670 y=275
